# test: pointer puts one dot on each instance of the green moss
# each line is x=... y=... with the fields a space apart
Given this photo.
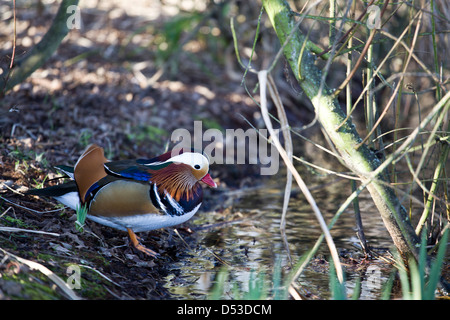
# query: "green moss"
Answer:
x=33 y=286
x=15 y=222
x=44 y=257
x=92 y=284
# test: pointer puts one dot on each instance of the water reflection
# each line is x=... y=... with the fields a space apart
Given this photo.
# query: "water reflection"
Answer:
x=247 y=237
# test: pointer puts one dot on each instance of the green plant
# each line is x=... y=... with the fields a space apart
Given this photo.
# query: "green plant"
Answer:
x=40 y=184
x=421 y=282
x=337 y=288
x=257 y=290
x=85 y=137
x=81 y=217
x=259 y=287
x=145 y=133
x=23 y=157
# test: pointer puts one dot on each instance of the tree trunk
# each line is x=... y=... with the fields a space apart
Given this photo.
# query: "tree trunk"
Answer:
x=361 y=161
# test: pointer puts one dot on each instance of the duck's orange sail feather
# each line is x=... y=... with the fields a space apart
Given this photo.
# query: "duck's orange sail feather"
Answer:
x=89 y=169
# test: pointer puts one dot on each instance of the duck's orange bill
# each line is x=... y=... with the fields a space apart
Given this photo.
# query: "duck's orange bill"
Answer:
x=209 y=181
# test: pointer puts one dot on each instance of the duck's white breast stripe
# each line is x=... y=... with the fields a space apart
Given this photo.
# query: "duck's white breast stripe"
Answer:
x=158 y=199
x=175 y=205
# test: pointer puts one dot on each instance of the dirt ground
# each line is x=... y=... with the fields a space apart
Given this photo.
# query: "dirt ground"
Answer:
x=116 y=83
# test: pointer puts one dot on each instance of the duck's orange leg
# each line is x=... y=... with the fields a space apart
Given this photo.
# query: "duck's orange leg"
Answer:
x=139 y=246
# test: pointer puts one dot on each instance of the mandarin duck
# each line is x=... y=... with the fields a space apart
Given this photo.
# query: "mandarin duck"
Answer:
x=134 y=195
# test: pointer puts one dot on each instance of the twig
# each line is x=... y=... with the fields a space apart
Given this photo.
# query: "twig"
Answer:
x=357 y=64
x=28 y=209
x=396 y=88
x=442 y=106
x=218 y=258
x=287 y=144
x=349 y=114
x=14 y=37
x=182 y=239
x=415 y=57
x=11 y=229
x=328 y=171
x=100 y=274
x=362 y=55
x=341 y=39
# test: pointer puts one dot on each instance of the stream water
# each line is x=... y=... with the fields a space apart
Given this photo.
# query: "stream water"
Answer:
x=246 y=236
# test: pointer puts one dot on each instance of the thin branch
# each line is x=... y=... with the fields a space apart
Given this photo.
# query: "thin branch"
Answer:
x=344 y=36
x=11 y=229
x=14 y=36
x=377 y=71
x=287 y=143
x=262 y=77
x=396 y=88
x=361 y=56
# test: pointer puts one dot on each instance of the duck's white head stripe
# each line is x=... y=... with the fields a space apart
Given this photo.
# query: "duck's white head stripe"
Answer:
x=189 y=158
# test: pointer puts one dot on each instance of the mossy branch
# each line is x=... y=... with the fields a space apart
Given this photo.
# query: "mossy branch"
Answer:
x=41 y=52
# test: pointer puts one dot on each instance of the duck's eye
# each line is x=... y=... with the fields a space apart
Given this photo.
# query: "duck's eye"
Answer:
x=197 y=166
